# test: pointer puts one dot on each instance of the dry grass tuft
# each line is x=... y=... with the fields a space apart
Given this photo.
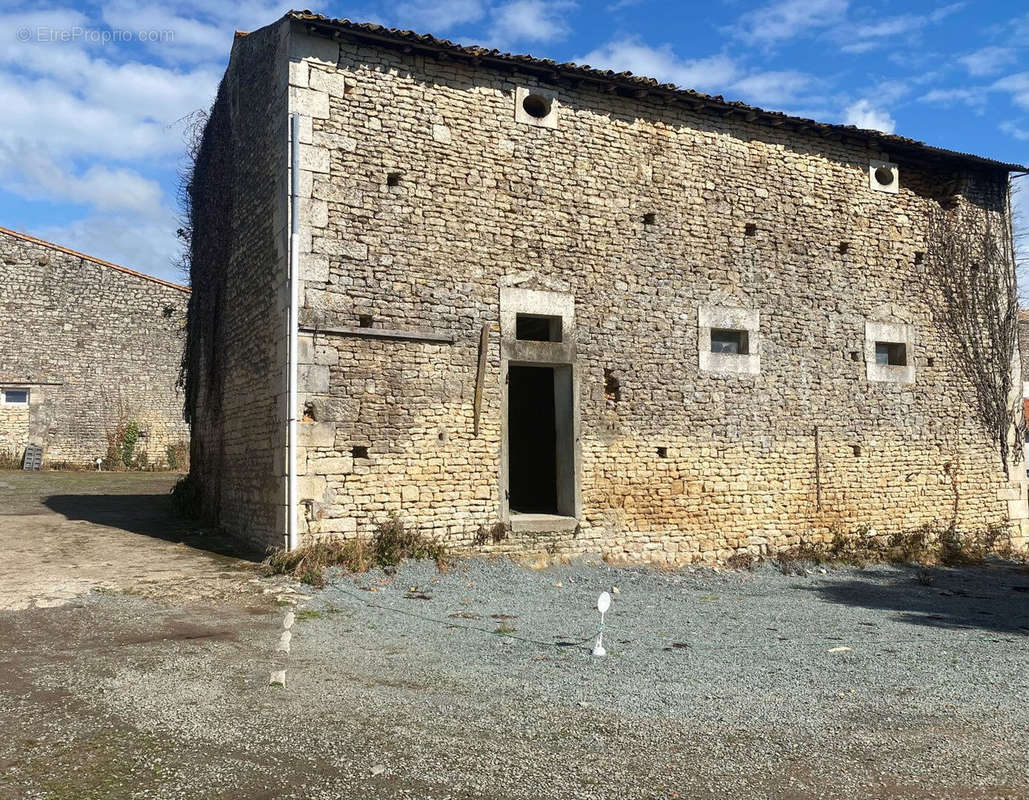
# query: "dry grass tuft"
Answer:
x=927 y=545
x=392 y=544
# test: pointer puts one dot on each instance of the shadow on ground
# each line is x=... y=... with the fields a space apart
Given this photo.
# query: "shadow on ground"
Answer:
x=148 y=515
x=986 y=598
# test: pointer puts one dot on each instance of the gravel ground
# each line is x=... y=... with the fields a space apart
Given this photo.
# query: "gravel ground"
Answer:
x=479 y=683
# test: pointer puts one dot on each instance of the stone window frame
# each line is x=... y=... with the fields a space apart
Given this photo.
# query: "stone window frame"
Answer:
x=873 y=183
x=524 y=117
x=729 y=318
x=22 y=404
x=894 y=333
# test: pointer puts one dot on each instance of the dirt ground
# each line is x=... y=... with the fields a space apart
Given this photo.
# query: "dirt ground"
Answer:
x=64 y=534
x=136 y=652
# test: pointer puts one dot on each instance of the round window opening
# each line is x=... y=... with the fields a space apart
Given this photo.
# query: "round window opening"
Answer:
x=883 y=176
x=536 y=105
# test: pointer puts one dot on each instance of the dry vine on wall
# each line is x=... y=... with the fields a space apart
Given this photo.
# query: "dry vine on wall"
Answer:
x=971 y=256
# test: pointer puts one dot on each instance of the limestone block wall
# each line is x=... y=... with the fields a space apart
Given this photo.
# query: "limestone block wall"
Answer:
x=96 y=346
x=236 y=353
x=426 y=195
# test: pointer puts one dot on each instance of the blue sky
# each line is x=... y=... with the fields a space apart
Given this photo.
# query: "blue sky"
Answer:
x=94 y=94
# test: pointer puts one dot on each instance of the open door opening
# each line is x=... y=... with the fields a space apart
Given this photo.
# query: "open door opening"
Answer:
x=539 y=428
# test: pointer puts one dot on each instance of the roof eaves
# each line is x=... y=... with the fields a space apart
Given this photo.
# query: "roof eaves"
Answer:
x=643 y=86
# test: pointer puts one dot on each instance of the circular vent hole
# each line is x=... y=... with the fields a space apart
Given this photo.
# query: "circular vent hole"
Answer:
x=883 y=176
x=536 y=105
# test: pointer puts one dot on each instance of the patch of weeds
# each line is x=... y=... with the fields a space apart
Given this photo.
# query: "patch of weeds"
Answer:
x=308 y=562
x=178 y=456
x=709 y=598
x=504 y=628
x=926 y=545
x=308 y=613
x=742 y=560
x=391 y=544
x=9 y=459
x=957 y=548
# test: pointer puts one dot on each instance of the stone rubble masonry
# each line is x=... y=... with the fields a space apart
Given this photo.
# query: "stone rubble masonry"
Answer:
x=423 y=198
x=95 y=344
x=237 y=357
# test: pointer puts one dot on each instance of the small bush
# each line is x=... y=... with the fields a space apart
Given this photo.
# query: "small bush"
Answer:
x=9 y=459
x=121 y=448
x=178 y=456
x=391 y=544
x=127 y=444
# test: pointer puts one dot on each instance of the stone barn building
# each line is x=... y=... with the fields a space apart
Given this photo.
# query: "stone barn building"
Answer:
x=90 y=358
x=523 y=304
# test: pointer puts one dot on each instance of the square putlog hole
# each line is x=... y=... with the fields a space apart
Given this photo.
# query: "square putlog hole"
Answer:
x=359 y=451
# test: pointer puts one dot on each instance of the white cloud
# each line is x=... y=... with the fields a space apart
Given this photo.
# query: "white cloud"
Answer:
x=972 y=97
x=711 y=74
x=865 y=36
x=31 y=173
x=437 y=16
x=82 y=120
x=1016 y=130
x=145 y=245
x=988 y=60
x=774 y=89
x=1016 y=85
x=787 y=19
x=864 y=115
x=529 y=21
x=195 y=31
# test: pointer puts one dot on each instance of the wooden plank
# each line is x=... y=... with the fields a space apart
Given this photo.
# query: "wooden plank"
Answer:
x=480 y=376
x=381 y=333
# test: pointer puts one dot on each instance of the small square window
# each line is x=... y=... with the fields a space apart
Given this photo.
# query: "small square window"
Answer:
x=537 y=328
x=15 y=397
x=729 y=340
x=891 y=354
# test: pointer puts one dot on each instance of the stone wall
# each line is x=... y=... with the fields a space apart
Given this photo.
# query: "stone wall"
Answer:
x=433 y=207
x=427 y=195
x=97 y=346
x=236 y=352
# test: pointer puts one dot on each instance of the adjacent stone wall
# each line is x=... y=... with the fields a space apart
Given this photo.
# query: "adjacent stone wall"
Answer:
x=424 y=197
x=97 y=346
x=236 y=352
